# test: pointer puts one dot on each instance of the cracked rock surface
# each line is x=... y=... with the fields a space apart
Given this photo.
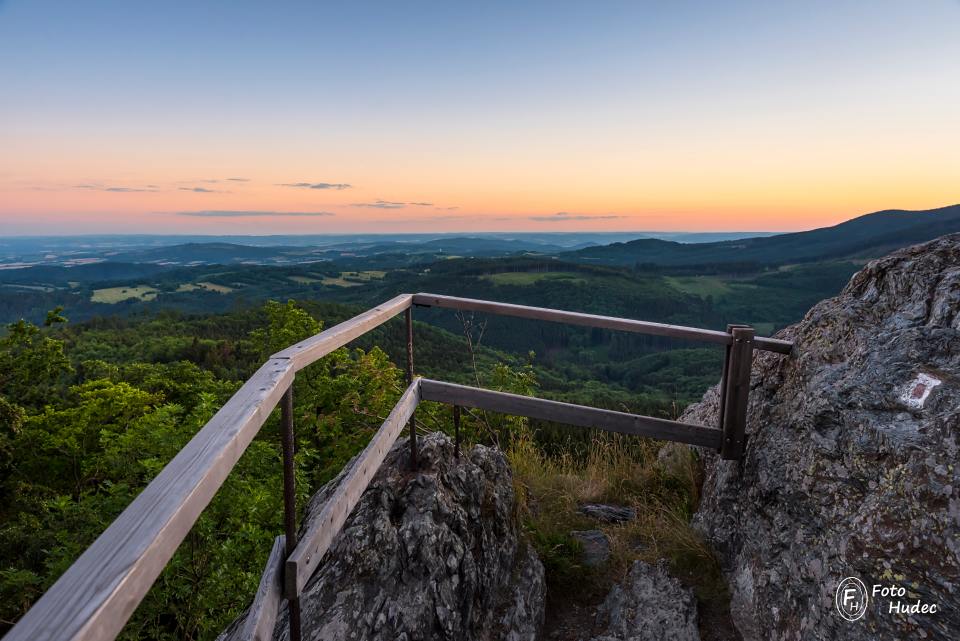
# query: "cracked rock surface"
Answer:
x=650 y=605
x=434 y=554
x=852 y=467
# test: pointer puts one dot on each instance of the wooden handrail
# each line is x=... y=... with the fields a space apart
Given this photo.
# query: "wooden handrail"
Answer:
x=316 y=347
x=568 y=413
x=96 y=595
x=593 y=320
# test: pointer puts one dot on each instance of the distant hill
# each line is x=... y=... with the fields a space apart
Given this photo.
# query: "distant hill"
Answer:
x=210 y=253
x=866 y=236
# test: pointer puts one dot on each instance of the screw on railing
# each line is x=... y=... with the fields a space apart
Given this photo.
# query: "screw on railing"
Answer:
x=289 y=499
x=413 y=421
x=735 y=391
x=456 y=431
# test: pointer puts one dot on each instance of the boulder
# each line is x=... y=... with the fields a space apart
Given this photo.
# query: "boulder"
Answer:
x=851 y=467
x=609 y=513
x=435 y=554
x=649 y=605
x=596 y=546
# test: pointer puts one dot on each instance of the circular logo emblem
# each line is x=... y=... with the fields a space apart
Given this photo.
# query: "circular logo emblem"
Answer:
x=851 y=598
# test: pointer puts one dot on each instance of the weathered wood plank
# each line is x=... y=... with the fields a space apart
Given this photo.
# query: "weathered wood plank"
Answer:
x=568 y=413
x=573 y=318
x=736 y=391
x=773 y=345
x=316 y=347
x=591 y=320
x=98 y=593
x=262 y=615
x=324 y=528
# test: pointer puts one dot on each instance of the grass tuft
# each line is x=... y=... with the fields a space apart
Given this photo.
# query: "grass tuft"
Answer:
x=626 y=471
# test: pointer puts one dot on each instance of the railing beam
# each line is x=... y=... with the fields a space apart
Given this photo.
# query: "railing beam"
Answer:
x=312 y=349
x=568 y=413
x=592 y=320
x=262 y=615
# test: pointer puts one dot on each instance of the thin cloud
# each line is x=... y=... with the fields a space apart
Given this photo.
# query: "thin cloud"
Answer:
x=393 y=204
x=381 y=204
x=220 y=213
x=562 y=216
x=337 y=186
x=446 y=208
x=203 y=190
x=121 y=190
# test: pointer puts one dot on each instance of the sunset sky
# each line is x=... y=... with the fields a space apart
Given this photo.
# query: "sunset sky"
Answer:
x=285 y=117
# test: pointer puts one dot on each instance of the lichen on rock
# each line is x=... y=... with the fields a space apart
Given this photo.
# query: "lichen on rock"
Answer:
x=851 y=467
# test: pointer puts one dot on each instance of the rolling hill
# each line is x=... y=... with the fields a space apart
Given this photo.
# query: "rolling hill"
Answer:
x=866 y=236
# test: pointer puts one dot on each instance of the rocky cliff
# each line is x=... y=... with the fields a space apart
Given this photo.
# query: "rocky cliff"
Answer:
x=434 y=554
x=851 y=468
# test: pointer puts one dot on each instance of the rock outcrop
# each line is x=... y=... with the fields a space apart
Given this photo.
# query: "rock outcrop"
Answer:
x=650 y=605
x=851 y=467
x=434 y=554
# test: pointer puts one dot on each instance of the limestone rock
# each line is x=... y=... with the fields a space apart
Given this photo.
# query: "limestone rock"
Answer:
x=609 y=513
x=434 y=554
x=596 y=546
x=851 y=468
x=650 y=605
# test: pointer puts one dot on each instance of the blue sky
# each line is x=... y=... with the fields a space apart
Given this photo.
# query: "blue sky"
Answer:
x=697 y=114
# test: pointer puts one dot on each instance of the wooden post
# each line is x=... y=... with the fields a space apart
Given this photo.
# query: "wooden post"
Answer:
x=289 y=500
x=413 y=421
x=736 y=391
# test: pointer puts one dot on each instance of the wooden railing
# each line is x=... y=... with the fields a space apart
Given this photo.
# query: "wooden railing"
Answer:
x=96 y=596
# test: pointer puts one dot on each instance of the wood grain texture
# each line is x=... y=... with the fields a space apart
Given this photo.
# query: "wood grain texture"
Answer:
x=262 y=615
x=322 y=530
x=316 y=347
x=98 y=593
x=736 y=391
x=591 y=320
x=568 y=413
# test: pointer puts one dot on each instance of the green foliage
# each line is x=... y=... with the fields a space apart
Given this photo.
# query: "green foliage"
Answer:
x=72 y=460
x=286 y=324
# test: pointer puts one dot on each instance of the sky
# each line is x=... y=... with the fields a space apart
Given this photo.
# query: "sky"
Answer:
x=313 y=117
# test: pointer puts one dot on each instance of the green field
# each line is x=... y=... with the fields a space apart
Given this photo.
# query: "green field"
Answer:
x=210 y=287
x=306 y=280
x=112 y=295
x=531 y=278
x=339 y=282
x=369 y=274
x=213 y=287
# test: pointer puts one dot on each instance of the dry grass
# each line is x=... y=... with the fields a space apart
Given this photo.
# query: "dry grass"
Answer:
x=623 y=471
